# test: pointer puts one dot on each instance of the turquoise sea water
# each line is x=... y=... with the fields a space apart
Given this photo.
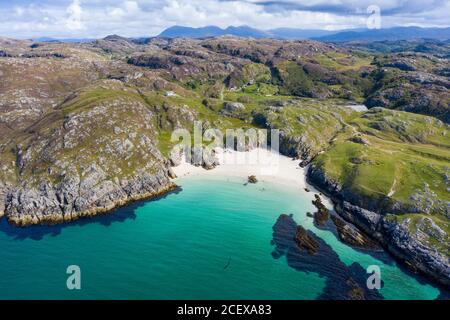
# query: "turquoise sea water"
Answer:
x=212 y=240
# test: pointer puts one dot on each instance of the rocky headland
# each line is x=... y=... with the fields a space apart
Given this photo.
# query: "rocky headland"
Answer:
x=396 y=237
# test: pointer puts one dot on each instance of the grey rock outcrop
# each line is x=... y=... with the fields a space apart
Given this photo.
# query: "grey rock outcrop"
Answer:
x=72 y=199
x=234 y=106
x=417 y=256
x=175 y=157
x=351 y=235
x=296 y=146
x=394 y=236
x=88 y=162
x=3 y=193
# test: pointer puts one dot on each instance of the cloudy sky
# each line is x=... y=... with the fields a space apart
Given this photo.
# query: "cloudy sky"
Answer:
x=98 y=18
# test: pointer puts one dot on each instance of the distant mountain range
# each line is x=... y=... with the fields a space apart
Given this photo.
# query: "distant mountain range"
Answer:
x=70 y=40
x=391 y=34
x=357 y=35
x=242 y=31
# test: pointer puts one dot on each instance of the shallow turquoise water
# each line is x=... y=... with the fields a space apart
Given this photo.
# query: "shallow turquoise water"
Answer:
x=210 y=241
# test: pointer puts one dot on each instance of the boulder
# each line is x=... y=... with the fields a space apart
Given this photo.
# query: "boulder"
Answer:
x=234 y=106
x=359 y=139
x=252 y=179
x=210 y=160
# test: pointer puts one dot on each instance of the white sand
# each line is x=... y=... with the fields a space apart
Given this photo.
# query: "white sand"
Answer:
x=266 y=165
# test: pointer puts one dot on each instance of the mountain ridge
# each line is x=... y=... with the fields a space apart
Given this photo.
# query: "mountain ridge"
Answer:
x=346 y=35
x=391 y=34
x=395 y=33
x=242 y=31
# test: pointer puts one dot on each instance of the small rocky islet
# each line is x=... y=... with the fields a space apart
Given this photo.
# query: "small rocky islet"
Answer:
x=97 y=136
x=322 y=214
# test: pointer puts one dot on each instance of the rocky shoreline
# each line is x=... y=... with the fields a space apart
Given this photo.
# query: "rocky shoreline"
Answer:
x=352 y=236
x=68 y=202
x=394 y=237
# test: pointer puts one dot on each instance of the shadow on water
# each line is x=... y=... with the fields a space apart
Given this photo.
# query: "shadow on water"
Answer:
x=118 y=215
x=444 y=293
x=378 y=253
x=342 y=282
x=327 y=264
x=383 y=256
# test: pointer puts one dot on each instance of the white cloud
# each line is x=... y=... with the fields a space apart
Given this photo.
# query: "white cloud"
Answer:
x=75 y=12
x=98 y=18
x=19 y=11
x=131 y=7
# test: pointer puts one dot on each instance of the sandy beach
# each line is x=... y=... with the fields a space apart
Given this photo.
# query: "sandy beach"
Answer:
x=266 y=165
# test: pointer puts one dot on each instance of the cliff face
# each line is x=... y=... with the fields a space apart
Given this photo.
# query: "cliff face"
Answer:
x=83 y=159
x=70 y=200
x=396 y=237
x=3 y=193
x=387 y=173
x=386 y=170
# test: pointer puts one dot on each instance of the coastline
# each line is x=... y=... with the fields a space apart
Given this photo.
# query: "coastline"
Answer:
x=158 y=240
x=54 y=219
x=394 y=238
x=266 y=165
x=289 y=173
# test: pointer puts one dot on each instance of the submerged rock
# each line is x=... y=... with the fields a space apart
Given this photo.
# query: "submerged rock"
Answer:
x=355 y=292
x=342 y=281
x=395 y=237
x=305 y=240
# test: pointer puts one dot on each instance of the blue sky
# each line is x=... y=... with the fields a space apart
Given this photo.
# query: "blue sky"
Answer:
x=98 y=18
